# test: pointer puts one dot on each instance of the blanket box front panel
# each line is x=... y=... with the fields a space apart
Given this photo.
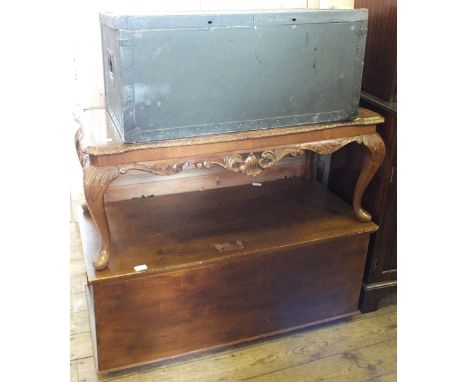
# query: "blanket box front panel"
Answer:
x=144 y=318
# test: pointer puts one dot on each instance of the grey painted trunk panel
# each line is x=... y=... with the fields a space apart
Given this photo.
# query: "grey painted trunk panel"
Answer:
x=182 y=75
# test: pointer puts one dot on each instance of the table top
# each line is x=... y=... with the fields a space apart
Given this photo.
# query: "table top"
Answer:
x=100 y=137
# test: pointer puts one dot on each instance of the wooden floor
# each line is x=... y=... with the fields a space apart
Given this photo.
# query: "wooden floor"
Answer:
x=362 y=348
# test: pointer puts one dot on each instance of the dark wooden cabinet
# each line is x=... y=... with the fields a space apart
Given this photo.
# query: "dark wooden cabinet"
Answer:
x=379 y=94
x=380 y=200
x=379 y=76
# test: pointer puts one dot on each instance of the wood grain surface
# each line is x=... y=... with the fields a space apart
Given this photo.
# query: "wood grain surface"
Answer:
x=324 y=353
x=177 y=231
x=161 y=316
x=223 y=267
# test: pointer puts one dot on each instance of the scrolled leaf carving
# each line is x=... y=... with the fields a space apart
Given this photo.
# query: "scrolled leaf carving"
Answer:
x=96 y=180
x=329 y=146
x=99 y=176
x=373 y=142
x=154 y=168
x=234 y=163
x=249 y=164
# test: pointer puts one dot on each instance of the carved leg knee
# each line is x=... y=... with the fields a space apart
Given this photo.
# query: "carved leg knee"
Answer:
x=96 y=181
x=375 y=153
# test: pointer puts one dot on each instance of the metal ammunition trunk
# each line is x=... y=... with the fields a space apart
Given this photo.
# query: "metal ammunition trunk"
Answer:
x=190 y=74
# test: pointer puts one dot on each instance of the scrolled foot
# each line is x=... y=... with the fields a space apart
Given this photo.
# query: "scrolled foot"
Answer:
x=362 y=215
x=101 y=260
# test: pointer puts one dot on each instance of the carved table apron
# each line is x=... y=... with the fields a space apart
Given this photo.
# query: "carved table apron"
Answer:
x=104 y=157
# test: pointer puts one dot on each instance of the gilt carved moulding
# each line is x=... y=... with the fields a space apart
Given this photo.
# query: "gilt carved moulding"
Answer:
x=102 y=139
x=250 y=164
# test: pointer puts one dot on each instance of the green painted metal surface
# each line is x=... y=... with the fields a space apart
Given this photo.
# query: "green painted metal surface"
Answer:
x=182 y=75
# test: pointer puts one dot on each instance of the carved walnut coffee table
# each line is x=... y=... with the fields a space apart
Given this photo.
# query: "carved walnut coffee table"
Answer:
x=104 y=157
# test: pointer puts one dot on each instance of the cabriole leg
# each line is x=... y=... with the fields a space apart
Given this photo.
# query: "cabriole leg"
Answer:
x=375 y=153
x=95 y=182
